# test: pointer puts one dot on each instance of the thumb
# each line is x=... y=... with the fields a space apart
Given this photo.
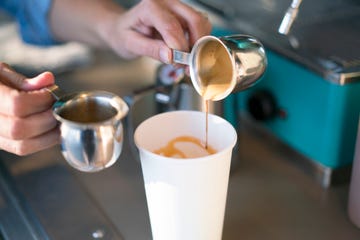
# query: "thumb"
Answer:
x=158 y=50
x=44 y=79
x=154 y=48
x=11 y=78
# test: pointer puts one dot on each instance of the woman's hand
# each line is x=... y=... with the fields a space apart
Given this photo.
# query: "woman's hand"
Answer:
x=26 y=121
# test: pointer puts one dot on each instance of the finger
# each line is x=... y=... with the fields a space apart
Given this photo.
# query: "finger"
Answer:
x=13 y=79
x=32 y=145
x=43 y=80
x=145 y=30
x=29 y=127
x=10 y=77
x=21 y=104
x=154 y=48
x=167 y=24
x=198 y=24
x=14 y=101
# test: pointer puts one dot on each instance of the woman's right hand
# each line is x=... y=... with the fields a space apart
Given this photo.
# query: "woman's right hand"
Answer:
x=26 y=121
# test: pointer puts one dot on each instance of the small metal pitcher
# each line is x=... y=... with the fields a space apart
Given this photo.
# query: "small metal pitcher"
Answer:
x=90 y=126
x=220 y=66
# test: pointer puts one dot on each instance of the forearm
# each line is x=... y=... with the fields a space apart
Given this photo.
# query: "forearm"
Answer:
x=87 y=21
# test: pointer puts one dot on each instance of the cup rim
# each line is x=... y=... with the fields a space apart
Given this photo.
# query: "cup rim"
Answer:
x=185 y=160
x=120 y=105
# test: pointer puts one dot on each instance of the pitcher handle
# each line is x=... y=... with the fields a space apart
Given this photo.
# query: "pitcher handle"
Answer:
x=181 y=57
x=55 y=91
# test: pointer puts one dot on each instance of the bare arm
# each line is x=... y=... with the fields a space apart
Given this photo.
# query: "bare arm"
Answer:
x=83 y=20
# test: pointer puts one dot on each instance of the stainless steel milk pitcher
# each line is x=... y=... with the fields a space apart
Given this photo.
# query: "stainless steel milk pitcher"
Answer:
x=91 y=127
x=220 y=66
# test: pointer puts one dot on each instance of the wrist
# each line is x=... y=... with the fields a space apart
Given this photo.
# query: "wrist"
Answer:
x=106 y=25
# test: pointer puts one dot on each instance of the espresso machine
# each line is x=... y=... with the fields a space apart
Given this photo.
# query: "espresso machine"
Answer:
x=309 y=98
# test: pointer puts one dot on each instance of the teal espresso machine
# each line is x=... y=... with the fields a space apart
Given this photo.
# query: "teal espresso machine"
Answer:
x=309 y=97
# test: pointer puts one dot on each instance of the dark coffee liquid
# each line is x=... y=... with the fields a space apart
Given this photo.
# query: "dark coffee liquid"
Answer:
x=170 y=150
x=89 y=111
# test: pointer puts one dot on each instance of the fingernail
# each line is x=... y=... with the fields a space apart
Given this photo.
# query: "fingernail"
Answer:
x=165 y=55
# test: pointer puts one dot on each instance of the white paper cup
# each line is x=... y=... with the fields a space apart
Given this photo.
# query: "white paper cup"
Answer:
x=186 y=197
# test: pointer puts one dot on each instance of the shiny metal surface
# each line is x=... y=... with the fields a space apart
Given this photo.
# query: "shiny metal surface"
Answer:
x=49 y=202
x=56 y=91
x=91 y=128
x=250 y=59
x=289 y=17
x=220 y=66
x=17 y=220
x=181 y=57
